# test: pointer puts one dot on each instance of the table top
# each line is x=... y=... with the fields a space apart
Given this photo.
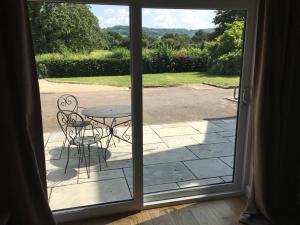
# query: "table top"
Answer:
x=108 y=111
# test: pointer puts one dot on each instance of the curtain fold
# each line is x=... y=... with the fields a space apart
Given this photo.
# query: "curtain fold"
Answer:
x=275 y=157
x=23 y=182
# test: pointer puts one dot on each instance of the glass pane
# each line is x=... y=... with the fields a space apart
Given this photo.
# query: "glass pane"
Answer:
x=83 y=63
x=192 y=61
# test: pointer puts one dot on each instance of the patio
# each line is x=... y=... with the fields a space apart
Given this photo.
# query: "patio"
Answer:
x=176 y=156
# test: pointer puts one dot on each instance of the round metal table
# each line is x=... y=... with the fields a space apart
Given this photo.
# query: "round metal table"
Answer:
x=108 y=111
x=108 y=116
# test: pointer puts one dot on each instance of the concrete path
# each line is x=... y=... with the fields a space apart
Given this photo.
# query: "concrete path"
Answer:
x=176 y=156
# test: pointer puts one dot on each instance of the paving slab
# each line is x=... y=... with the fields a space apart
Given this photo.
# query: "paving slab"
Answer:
x=227 y=178
x=227 y=133
x=210 y=138
x=162 y=173
x=89 y=193
x=55 y=144
x=202 y=182
x=147 y=130
x=56 y=164
x=100 y=175
x=155 y=146
x=206 y=127
x=227 y=125
x=207 y=168
x=231 y=139
x=172 y=125
x=117 y=164
x=167 y=155
x=59 y=177
x=228 y=160
x=151 y=139
x=179 y=141
x=56 y=137
x=55 y=153
x=212 y=150
x=175 y=131
x=160 y=188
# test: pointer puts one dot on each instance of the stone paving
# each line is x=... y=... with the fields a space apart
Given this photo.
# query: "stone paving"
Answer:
x=176 y=156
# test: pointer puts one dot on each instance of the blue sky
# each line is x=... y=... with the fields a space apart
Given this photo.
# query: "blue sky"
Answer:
x=109 y=15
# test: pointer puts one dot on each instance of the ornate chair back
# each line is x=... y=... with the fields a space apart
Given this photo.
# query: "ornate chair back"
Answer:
x=68 y=121
x=67 y=102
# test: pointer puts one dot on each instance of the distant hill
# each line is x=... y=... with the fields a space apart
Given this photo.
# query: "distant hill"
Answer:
x=157 y=32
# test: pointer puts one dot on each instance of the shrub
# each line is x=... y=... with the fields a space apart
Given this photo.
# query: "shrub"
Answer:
x=225 y=51
x=160 y=60
x=117 y=62
x=227 y=64
x=83 y=67
x=42 y=70
x=120 y=53
x=183 y=62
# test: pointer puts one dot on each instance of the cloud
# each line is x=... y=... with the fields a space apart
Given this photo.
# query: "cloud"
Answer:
x=146 y=11
x=195 y=19
x=100 y=20
x=164 y=19
x=109 y=11
x=178 y=18
x=116 y=17
x=109 y=16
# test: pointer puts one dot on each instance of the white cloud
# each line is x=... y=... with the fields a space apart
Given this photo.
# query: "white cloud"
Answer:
x=109 y=11
x=164 y=19
x=158 y=18
x=194 y=19
x=146 y=11
x=178 y=18
x=100 y=21
x=116 y=17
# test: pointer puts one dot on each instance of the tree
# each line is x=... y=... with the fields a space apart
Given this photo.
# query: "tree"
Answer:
x=114 y=39
x=60 y=27
x=225 y=51
x=199 y=37
x=149 y=41
x=226 y=16
x=175 y=40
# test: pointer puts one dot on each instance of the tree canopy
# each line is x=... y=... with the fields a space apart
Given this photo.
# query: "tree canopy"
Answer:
x=175 y=40
x=60 y=27
x=225 y=51
x=226 y=16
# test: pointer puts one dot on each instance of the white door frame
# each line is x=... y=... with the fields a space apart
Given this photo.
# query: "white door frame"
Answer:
x=241 y=171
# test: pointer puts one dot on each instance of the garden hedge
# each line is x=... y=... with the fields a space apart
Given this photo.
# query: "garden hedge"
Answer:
x=114 y=66
x=82 y=67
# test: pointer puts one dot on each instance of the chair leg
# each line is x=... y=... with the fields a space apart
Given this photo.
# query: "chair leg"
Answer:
x=79 y=159
x=107 y=146
x=85 y=161
x=68 y=158
x=89 y=158
x=99 y=157
x=62 y=147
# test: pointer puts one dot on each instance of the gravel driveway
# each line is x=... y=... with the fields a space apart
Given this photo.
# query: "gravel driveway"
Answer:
x=160 y=105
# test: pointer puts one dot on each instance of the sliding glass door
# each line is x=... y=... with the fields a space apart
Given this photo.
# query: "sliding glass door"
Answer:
x=192 y=73
x=91 y=126
x=162 y=99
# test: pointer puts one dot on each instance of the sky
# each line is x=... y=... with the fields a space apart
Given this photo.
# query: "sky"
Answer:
x=109 y=15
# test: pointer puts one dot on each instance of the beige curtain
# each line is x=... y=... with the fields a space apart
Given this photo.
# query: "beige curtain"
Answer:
x=275 y=148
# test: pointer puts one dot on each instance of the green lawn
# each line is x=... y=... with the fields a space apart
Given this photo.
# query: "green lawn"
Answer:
x=155 y=80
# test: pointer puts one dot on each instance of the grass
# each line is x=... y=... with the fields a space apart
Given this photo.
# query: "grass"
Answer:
x=156 y=80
